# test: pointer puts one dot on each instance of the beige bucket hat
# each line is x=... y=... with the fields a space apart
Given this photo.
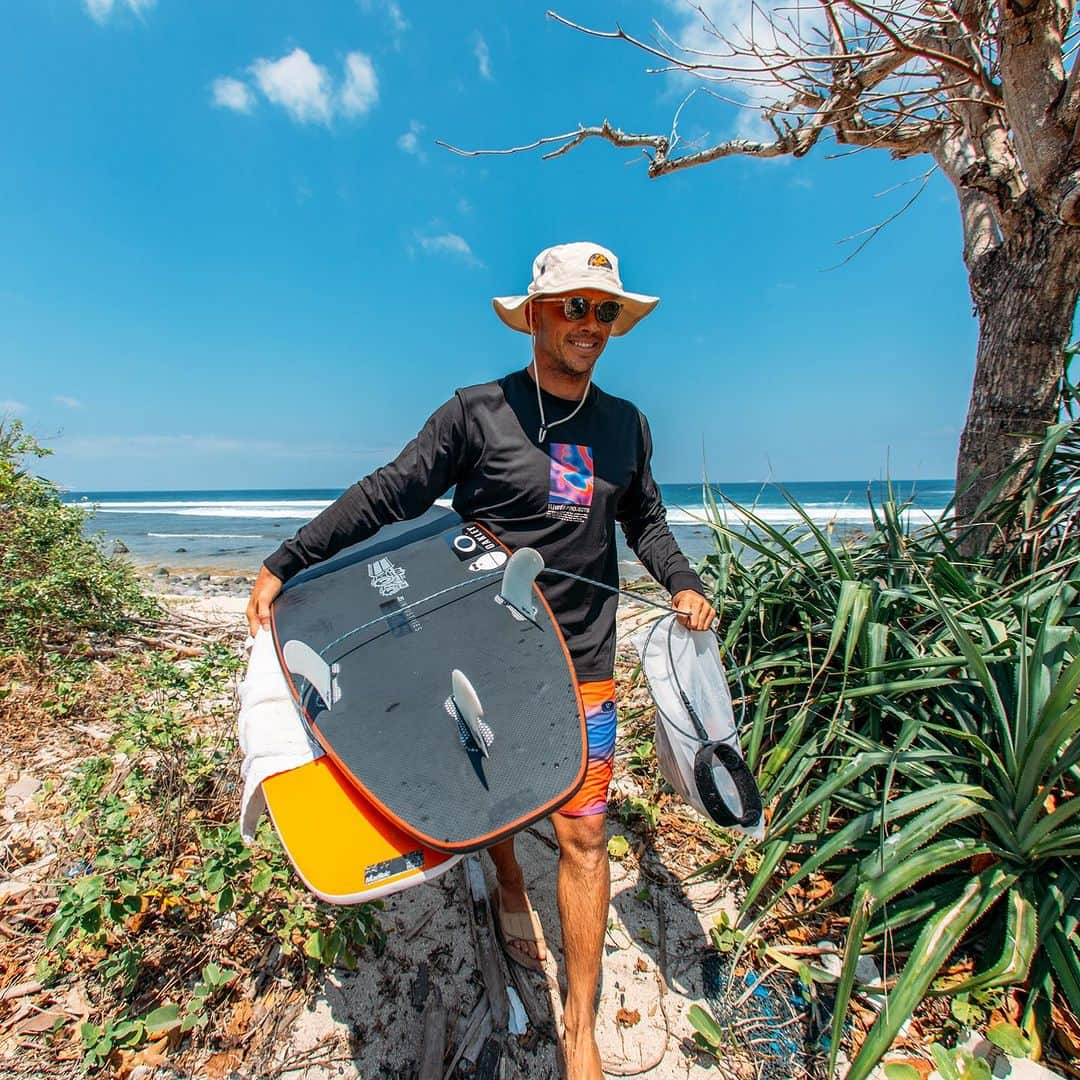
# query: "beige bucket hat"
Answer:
x=566 y=268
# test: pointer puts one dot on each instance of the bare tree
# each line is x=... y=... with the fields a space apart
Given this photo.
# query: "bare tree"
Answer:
x=981 y=87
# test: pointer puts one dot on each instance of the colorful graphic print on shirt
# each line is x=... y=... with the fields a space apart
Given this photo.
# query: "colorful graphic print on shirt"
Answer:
x=571 y=490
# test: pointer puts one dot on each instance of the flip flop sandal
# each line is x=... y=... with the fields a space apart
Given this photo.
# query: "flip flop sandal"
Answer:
x=515 y=926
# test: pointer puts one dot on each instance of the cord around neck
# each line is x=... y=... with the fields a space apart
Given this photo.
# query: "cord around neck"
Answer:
x=545 y=427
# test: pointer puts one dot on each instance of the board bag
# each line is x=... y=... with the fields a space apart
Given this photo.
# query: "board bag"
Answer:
x=697 y=742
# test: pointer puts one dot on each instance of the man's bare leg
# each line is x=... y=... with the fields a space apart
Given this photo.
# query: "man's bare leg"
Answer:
x=584 y=895
x=511 y=885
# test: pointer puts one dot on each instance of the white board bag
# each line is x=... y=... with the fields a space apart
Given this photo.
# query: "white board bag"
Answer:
x=697 y=742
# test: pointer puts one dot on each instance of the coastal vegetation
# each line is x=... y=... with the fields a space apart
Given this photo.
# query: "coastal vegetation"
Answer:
x=135 y=926
x=914 y=723
x=59 y=592
x=986 y=94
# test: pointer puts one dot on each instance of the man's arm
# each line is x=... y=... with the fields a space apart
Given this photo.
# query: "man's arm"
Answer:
x=401 y=490
x=644 y=522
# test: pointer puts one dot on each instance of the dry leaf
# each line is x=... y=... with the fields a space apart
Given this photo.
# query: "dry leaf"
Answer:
x=627 y=1017
x=921 y=1066
x=641 y=964
x=152 y=1055
x=40 y=1022
x=1067 y=1031
x=76 y=1002
x=240 y=1019
x=218 y=1066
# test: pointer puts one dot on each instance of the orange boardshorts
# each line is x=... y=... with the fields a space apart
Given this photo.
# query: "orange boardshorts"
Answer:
x=599 y=701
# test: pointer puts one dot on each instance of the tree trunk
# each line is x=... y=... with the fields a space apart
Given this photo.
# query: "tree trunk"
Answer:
x=1025 y=295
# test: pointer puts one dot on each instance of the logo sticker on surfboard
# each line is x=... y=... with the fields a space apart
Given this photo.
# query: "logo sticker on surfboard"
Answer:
x=386 y=577
x=490 y=560
x=470 y=543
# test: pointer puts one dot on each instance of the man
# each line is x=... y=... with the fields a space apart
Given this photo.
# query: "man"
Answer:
x=544 y=459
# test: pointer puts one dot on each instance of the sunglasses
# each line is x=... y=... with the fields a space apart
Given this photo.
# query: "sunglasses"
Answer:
x=575 y=308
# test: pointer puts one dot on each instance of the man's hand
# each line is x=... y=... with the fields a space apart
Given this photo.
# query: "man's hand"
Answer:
x=696 y=612
x=266 y=587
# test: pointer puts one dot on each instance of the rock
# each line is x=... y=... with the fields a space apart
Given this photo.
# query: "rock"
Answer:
x=202 y=577
x=181 y=551
x=161 y=571
x=120 y=548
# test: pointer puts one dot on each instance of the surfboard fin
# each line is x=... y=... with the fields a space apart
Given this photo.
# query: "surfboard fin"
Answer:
x=519 y=577
x=304 y=661
x=467 y=702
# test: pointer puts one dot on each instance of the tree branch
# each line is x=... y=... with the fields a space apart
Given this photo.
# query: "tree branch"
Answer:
x=911 y=48
x=1033 y=80
x=657 y=146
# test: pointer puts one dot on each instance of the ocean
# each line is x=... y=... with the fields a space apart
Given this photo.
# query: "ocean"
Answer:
x=220 y=531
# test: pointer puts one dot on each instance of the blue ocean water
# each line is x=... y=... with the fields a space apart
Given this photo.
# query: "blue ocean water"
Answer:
x=236 y=530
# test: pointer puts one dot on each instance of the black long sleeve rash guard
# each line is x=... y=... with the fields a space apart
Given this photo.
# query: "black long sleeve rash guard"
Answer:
x=561 y=496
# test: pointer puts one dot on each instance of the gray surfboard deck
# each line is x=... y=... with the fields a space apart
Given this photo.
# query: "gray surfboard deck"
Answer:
x=380 y=629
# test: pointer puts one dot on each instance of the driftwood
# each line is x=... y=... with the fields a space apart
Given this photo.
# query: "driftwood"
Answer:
x=537 y=1010
x=487 y=949
x=476 y=1030
x=433 y=1046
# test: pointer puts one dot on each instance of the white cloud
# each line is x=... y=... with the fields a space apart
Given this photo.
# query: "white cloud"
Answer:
x=360 y=91
x=10 y=407
x=397 y=19
x=296 y=83
x=409 y=141
x=483 y=56
x=228 y=93
x=448 y=244
x=67 y=402
x=101 y=10
x=303 y=88
x=393 y=13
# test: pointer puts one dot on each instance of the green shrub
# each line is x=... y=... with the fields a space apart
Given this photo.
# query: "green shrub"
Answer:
x=916 y=734
x=56 y=585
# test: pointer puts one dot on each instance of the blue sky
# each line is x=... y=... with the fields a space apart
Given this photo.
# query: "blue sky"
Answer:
x=231 y=254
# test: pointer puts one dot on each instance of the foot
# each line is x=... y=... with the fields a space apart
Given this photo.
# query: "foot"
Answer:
x=581 y=1054
x=518 y=926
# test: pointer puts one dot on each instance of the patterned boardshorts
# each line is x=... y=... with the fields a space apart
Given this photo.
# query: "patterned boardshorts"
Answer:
x=599 y=701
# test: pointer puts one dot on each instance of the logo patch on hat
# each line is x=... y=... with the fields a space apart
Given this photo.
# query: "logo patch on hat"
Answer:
x=600 y=259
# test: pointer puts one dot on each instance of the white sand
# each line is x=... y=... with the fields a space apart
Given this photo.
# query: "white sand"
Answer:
x=374 y=1003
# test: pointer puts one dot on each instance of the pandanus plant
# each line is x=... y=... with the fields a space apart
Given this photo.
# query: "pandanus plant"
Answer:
x=915 y=728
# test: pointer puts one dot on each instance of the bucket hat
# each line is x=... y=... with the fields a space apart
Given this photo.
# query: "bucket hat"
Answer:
x=568 y=268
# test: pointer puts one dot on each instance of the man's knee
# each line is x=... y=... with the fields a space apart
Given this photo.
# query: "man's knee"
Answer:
x=583 y=842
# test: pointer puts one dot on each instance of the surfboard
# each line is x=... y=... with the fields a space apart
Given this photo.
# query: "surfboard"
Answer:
x=342 y=848
x=455 y=714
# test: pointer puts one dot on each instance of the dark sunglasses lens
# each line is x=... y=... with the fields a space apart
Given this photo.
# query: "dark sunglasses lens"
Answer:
x=575 y=307
x=607 y=311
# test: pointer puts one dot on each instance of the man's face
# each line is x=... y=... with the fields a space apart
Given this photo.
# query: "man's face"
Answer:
x=567 y=346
